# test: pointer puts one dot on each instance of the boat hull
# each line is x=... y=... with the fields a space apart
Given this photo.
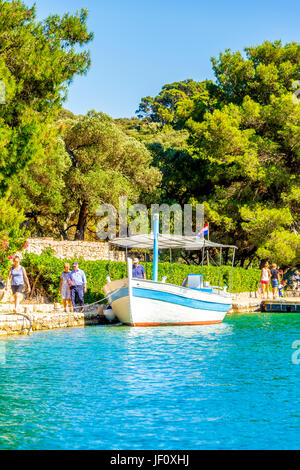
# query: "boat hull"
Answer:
x=149 y=303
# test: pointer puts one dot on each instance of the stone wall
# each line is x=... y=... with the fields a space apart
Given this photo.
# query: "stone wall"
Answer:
x=18 y=325
x=89 y=251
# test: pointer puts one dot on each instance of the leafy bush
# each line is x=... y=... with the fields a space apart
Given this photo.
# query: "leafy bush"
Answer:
x=44 y=272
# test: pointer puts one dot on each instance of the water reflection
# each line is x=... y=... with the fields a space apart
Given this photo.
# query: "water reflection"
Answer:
x=171 y=334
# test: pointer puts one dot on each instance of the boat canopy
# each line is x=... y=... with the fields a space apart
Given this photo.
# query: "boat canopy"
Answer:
x=167 y=241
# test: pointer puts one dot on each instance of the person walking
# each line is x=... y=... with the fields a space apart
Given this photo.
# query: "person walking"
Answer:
x=77 y=281
x=65 y=287
x=138 y=271
x=18 y=277
x=265 y=279
x=275 y=278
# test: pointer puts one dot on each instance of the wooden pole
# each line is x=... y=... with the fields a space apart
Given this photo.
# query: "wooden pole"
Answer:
x=109 y=259
x=219 y=282
x=233 y=257
x=207 y=251
x=155 y=247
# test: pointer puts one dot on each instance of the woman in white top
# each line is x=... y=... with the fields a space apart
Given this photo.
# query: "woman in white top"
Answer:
x=265 y=279
x=64 y=287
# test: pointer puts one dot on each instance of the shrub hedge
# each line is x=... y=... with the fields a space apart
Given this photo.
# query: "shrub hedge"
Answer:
x=44 y=272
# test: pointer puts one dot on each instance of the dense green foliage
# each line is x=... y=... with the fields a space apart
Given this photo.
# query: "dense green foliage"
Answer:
x=44 y=272
x=12 y=237
x=232 y=144
x=106 y=164
x=38 y=60
x=95 y=163
x=241 y=154
x=173 y=104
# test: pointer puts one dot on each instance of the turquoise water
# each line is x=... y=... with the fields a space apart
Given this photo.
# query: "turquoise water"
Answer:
x=228 y=386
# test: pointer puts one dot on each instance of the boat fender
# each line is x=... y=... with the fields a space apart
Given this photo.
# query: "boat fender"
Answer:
x=109 y=314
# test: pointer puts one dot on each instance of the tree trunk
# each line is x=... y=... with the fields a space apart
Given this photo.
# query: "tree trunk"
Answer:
x=82 y=222
x=63 y=233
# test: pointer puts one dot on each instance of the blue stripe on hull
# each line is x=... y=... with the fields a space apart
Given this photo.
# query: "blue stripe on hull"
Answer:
x=170 y=298
x=117 y=294
x=179 y=300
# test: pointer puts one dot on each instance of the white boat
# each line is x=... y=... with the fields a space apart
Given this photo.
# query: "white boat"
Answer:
x=139 y=302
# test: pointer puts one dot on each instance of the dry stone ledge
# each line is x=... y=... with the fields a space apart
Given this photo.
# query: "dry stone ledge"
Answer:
x=245 y=305
x=14 y=324
x=25 y=308
x=245 y=302
x=89 y=251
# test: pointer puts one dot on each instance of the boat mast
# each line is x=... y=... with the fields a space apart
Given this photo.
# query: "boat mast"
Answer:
x=233 y=258
x=155 y=247
x=108 y=260
x=171 y=272
x=220 y=268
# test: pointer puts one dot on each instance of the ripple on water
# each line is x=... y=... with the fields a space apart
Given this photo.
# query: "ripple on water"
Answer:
x=223 y=386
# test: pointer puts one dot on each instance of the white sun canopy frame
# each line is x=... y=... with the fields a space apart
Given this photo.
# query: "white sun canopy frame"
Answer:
x=166 y=241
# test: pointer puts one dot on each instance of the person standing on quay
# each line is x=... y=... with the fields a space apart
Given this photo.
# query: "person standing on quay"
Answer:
x=64 y=287
x=77 y=281
x=275 y=278
x=18 y=277
x=265 y=279
x=138 y=271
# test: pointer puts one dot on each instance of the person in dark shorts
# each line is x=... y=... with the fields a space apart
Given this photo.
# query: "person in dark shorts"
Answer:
x=18 y=277
x=275 y=279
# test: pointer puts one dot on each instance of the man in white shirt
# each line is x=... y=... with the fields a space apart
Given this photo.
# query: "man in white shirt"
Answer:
x=78 y=284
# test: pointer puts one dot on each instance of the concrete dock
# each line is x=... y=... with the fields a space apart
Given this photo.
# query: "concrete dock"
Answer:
x=45 y=317
x=286 y=305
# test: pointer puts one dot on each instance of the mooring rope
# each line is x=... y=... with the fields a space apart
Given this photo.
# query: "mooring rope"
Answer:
x=94 y=303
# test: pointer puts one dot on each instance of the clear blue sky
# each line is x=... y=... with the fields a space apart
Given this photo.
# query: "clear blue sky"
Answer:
x=140 y=45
